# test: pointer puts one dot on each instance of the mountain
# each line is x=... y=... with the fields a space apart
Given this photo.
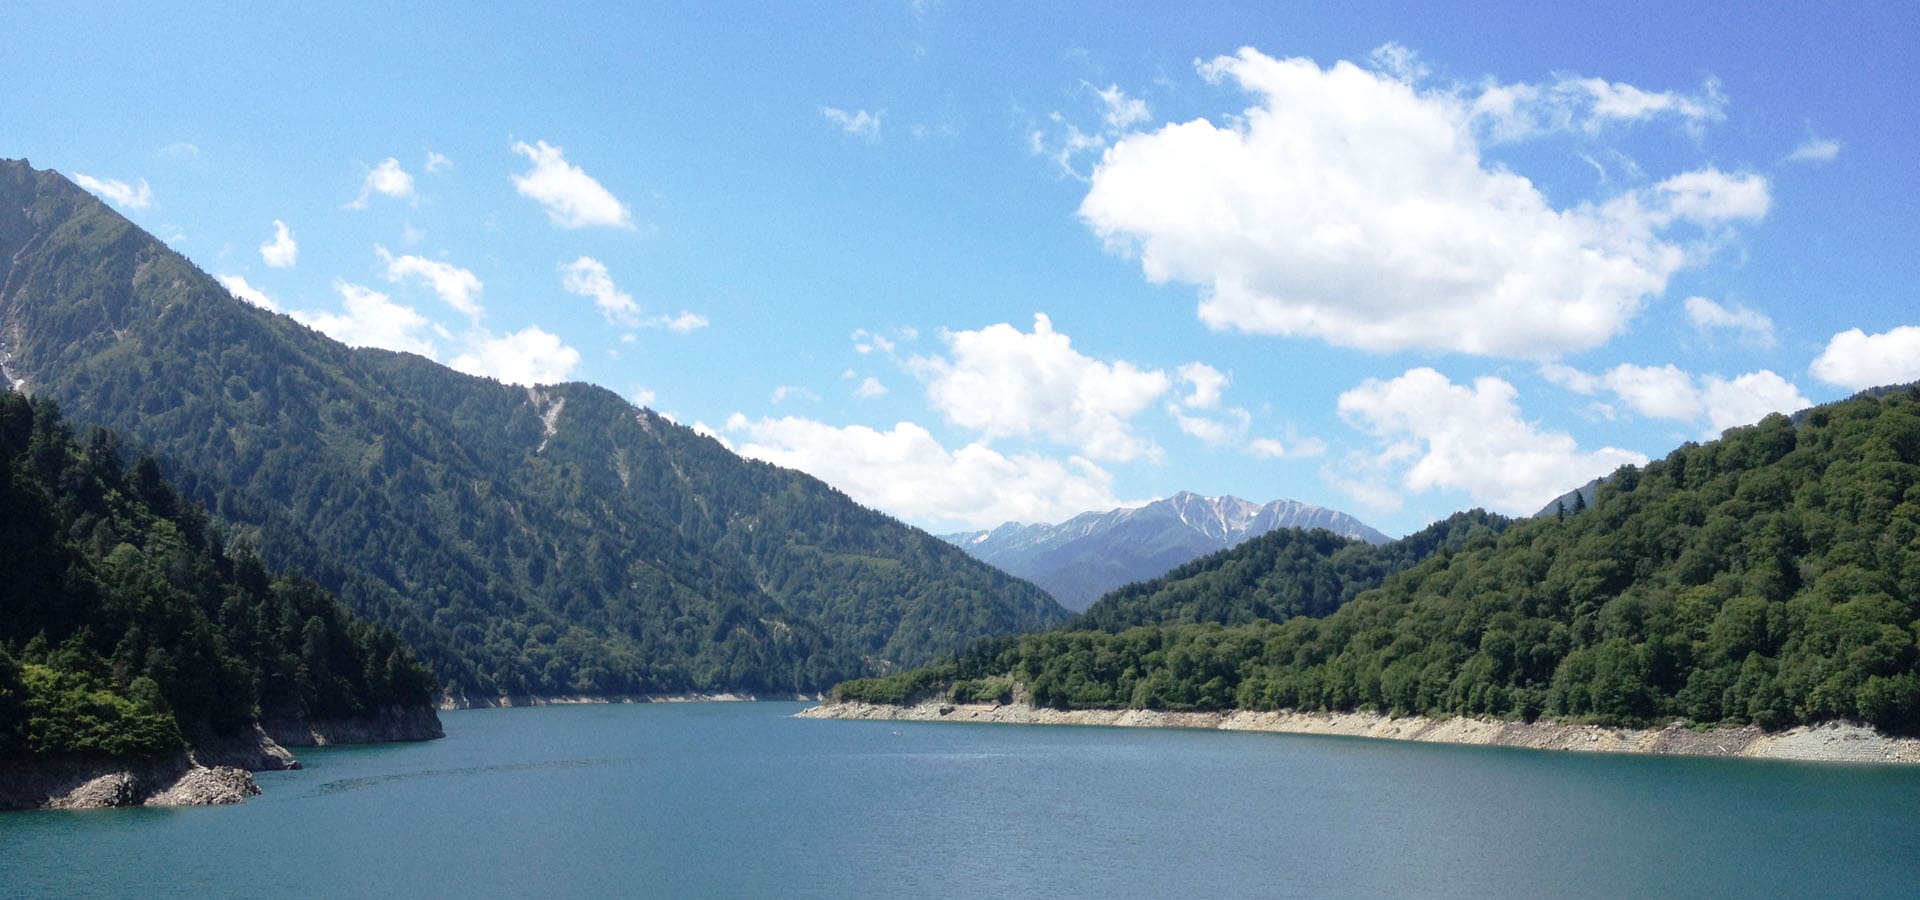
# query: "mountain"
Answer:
x=544 y=541
x=129 y=632
x=1281 y=574
x=1771 y=577
x=1090 y=554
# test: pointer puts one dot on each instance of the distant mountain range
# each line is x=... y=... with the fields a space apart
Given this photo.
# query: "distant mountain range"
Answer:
x=524 y=541
x=1088 y=555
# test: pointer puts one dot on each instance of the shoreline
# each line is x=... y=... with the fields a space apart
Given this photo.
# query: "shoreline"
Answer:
x=448 y=704
x=1826 y=742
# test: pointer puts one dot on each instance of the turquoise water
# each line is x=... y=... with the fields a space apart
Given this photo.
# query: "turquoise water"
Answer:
x=692 y=800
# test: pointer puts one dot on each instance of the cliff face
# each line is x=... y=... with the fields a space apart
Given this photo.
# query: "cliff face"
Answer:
x=393 y=723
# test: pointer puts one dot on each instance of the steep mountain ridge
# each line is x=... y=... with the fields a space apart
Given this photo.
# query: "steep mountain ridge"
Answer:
x=1088 y=555
x=552 y=540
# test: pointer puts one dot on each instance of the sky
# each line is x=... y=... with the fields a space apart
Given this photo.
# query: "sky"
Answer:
x=984 y=262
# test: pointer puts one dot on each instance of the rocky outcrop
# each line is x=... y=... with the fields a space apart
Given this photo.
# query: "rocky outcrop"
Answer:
x=100 y=783
x=1827 y=742
x=217 y=770
x=393 y=723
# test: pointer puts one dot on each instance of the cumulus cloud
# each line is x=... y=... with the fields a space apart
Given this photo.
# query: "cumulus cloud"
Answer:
x=643 y=396
x=859 y=122
x=905 y=471
x=1121 y=111
x=1753 y=327
x=870 y=388
x=588 y=277
x=119 y=193
x=1005 y=383
x=438 y=162
x=280 y=251
x=459 y=287
x=1857 y=360
x=387 y=179
x=1293 y=448
x=369 y=318
x=238 y=286
x=1355 y=208
x=1439 y=435
x=571 y=197
x=1669 y=392
x=1207 y=383
x=529 y=356
x=1393 y=58
x=1228 y=426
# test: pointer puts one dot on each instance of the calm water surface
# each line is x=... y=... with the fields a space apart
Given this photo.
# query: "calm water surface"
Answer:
x=692 y=800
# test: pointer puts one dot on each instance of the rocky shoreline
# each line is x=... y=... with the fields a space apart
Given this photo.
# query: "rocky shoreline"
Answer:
x=1828 y=742
x=517 y=700
x=217 y=770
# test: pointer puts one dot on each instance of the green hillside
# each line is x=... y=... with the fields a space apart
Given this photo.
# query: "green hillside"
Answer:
x=546 y=541
x=128 y=630
x=1770 y=577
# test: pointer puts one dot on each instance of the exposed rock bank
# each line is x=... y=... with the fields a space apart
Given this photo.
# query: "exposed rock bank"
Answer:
x=465 y=702
x=216 y=771
x=99 y=783
x=1829 y=742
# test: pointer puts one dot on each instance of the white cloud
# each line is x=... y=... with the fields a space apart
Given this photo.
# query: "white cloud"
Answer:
x=386 y=179
x=529 y=356
x=643 y=396
x=588 y=277
x=239 y=287
x=1396 y=60
x=782 y=393
x=1748 y=399
x=1857 y=360
x=571 y=197
x=438 y=162
x=459 y=287
x=1207 y=383
x=119 y=193
x=906 y=472
x=870 y=388
x=1471 y=439
x=371 y=319
x=1511 y=112
x=1669 y=392
x=280 y=251
x=683 y=323
x=1754 y=327
x=181 y=150
x=1228 y=426
x=1815 y=149
x=1704 y=197
x=859 y=122
x=1122 y=111
x=1354 y=208
x=1005 y=383
x=1267 y=448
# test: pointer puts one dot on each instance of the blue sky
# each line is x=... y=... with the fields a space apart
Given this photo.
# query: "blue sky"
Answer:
x=981 y=262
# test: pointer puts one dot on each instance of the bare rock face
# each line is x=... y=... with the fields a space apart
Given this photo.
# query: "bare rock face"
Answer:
x=97 y=783
x=202 y=786
x=393 y=723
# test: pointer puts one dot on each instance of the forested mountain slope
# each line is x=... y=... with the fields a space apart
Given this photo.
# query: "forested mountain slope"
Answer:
x=525 y=541
x=1279 y=575
x=1770 y=577
x=128 y=631
x=1092 y=553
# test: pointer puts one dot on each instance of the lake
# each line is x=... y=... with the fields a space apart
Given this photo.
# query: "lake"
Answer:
x=741 y=799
